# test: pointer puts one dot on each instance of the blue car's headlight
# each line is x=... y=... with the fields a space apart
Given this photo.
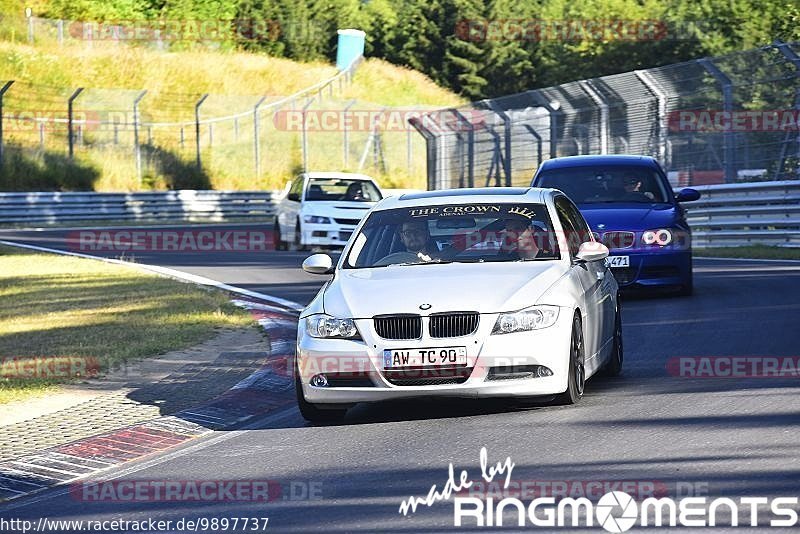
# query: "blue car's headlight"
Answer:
x=533 y=318
x=316 y=219
x=661 y=237
x=325 y=326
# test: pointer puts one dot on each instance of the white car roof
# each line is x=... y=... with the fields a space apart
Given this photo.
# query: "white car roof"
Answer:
x=465 y=195
x=339 y=175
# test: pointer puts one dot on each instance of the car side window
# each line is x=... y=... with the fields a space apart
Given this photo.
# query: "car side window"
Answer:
x=567 y=224
x=578 y=221
x=296 y=191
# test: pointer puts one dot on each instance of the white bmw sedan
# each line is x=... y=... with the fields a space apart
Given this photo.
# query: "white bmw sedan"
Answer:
x=496 y=292
x=323 y=209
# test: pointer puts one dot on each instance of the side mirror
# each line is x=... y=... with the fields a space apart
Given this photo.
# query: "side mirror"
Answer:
x=318 y=264
x=591 y=251
x=687 y=195
x=293 y=196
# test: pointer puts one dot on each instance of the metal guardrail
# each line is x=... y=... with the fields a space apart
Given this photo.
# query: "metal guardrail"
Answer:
x=167 y=206
x=187 y=205
x=745 y=214
x=726 y=215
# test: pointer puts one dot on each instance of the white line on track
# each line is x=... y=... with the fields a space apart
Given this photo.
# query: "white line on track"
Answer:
x=746 y=259
x=132 y=227
x=166 y=271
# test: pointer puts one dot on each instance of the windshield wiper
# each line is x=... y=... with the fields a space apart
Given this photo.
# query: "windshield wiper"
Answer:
x=423 y=262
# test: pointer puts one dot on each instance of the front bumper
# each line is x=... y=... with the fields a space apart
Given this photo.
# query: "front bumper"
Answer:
x=362 y=363
x=654 y=268
x=332 y=234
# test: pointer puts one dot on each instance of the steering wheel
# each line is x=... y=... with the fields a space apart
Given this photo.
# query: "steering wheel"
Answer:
x=397 y=257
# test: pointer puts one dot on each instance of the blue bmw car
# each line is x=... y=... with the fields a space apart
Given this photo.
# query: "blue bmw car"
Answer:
x=631 y=208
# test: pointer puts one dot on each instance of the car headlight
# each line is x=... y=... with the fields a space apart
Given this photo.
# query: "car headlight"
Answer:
x=533 y=318
x=661 y=237
x=316 y=219
x=325 y=326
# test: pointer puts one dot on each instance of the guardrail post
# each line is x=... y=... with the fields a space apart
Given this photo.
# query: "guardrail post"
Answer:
x=728 y=139
x=29 y=16
x=553 y=109
x=3 y=90
x=661 y=98
x=346 y=136
x=507 y=161
x=794 y=58
x=70 y=132
x=197 y=128
x=408 y=152
x=535 y=134
x=470 y=145
x=256 y=137
x=136 y=148
x=305 y=135
x=430 y=150
x=373 y=138
x=589 y=89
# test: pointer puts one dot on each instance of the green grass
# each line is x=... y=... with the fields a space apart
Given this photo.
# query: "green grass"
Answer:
x=63 y=307
x=765 y=252
x=113 y=75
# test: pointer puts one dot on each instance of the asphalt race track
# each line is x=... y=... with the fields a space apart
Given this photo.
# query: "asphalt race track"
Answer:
x=702 y=436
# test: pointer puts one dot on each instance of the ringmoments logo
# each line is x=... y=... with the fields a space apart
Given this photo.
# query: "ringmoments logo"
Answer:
x=614 y=511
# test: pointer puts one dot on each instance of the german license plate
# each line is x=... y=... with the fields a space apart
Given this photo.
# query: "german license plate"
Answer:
x=430 y=357
x=618 y=261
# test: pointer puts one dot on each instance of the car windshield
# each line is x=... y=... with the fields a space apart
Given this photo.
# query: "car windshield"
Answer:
x=611 y=184
x=463 y=233
x=342 y=189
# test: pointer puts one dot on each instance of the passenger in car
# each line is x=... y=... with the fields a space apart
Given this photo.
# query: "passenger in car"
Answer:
x=522 y=241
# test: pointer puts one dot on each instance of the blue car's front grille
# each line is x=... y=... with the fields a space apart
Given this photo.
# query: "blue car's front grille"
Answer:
x=619 y=240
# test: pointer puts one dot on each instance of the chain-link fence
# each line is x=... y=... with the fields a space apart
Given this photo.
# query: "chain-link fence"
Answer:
x=132 y=139
x=715 y=120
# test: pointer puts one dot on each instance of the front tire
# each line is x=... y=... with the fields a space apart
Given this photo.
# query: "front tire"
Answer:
x=298 y=237
x=577 y=372
x=312 y=412
x=280 y=244
x=614 y=366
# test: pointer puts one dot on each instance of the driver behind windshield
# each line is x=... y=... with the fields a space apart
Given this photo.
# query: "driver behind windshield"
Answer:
x=417 y=239
x=634 y=188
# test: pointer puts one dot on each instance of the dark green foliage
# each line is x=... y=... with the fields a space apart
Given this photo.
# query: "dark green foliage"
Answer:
x=434 y=36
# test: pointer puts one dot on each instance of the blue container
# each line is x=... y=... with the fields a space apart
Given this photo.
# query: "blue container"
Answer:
x=350 y=47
